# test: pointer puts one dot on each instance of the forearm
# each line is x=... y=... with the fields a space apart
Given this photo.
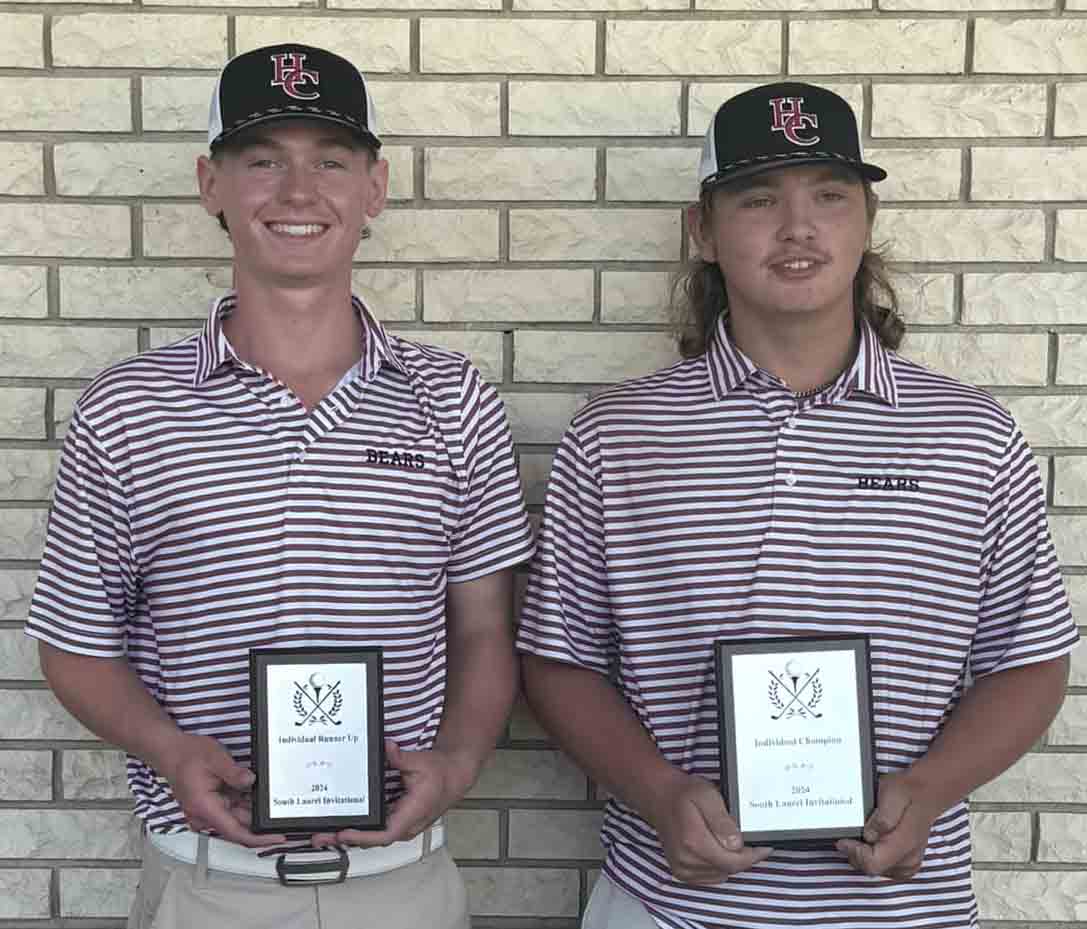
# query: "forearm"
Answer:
x=107 y=696
x=999 y=718
x=592 y=723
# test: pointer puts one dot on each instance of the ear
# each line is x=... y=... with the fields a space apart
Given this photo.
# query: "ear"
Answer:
x=206 y=179
x=700 y=233
x=378 y=187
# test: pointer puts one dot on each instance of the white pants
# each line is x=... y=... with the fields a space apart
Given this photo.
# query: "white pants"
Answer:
x=612 y=908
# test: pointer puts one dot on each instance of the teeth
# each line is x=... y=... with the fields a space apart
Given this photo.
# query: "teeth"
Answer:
x=798 y=264
x=300 y=229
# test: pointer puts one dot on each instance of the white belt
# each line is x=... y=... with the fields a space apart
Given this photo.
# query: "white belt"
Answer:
x=297 y=864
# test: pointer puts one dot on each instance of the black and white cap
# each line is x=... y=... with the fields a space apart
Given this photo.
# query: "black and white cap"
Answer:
x=290 y=81
x=781 y=124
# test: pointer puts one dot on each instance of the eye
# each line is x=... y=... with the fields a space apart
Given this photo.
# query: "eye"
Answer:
x=832 y=195
x=331 y=163
x=262 y=163
x=757 y=201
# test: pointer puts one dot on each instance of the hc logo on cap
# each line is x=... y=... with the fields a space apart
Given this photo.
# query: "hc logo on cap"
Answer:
x=291 y=73
x=790 y=118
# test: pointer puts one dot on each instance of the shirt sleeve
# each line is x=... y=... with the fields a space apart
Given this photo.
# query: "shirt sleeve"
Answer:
x=492 y=530
x=566 y=614
x=86 y=584
x=1024 y=615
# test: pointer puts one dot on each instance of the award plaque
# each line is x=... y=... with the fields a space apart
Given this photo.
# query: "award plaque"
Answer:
x=797 y=759
x=318 y=745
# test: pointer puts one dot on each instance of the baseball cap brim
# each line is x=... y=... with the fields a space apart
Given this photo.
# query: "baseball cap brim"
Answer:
x=869 y=172
x=368 y=137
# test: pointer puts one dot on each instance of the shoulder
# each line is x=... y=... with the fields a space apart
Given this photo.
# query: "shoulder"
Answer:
x=433 y=364
x=921 y=388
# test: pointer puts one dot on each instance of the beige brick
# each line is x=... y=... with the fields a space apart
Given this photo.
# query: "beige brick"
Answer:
x=555 y=834
x=436 y=107
x=18 y=652
x=535 y=468
x=1071 y=235
x=36 y=714
x=1070 y=726
x=472 y=834
x=962 y=235
x=606 y=5
x=61 y=351
x=1052 y=777
x=1051 y=422
x=1024 y=299
x=1076 y=585
x=1030 y=46
x=1029 y=174
x=376 y=45
x=516 y=774
x=958 y=111
x=24 y=893
x=182 y=230
x=538 y=417
x=984 y=358
x=1069 y=538
x=401 y=159
x=23 y=291
x=669 y=174
x=704 y=99
x=59 y=104
x=433 y=235
x=103 y=834
x=64 y=402
x=140 y=293
x=26 y=775
x=589 y=357
x=522 y=891
x=520 y=295
x=21 y=168
x=127 y=169
x=897 y=46
x=928 y=299
x=52 y=229
x=22 y=413
x=94 y=40
x=634 y=296
x=1063 y=837
x=417 y=4
x=1072 y=358
x=27 y=474
x=21 y=40
x=22 y=534
x=176 y=103
x=594 y=108
x=918 y=173
x=222 y=3
x=963 y=6
x=97 y=892
x=388 y=293
x=510 y=173
x=804 y=6
x=594 y=235
x=97 y=774
x=1071 y=118
x=515 y=46
x=701 y=47
x=1031 y=895
x=1000 y=836
x=483 y=349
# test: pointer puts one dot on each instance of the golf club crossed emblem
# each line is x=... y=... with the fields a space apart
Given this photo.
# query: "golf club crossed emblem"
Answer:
x=795 y=693
x=313 y=707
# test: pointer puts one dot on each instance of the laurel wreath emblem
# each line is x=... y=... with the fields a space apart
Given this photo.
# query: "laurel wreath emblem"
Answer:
x=319 y=713
x=798 y=707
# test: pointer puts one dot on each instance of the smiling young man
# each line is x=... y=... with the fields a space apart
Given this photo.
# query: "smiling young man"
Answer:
x=291 y=476
x=793 y=476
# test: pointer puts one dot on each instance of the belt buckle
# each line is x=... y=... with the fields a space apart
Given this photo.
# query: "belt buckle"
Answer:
x=295 y=873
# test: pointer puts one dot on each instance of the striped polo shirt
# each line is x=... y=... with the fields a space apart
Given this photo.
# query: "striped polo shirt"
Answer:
x=707 y=502
x=200 y=511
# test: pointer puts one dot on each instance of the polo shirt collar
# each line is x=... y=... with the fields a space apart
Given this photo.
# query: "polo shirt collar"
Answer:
x=872 y=372
x=213 y=349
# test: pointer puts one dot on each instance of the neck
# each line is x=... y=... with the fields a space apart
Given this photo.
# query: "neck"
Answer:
x=805 y=351
x=305 y=337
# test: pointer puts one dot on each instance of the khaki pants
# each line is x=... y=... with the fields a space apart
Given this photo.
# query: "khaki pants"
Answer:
x=612 y=908
x=174 y=895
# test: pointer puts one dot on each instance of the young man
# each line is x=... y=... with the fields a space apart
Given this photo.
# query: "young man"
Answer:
x=291 y=476
x=793 y=476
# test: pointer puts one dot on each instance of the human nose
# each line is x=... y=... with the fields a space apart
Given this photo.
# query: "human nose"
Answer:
x=797 y=219
x=298 y=184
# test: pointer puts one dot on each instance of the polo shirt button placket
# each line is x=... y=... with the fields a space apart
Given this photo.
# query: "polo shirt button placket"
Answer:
x=790 y=478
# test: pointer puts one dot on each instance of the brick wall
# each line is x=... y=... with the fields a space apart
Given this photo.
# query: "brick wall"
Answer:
x=541 y=152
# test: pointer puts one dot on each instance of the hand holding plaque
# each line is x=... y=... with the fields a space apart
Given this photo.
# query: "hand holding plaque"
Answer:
x=317 y=736
x=796 y=738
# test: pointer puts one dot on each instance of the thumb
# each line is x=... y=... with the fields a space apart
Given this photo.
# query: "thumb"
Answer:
x=711 y=806
x=398 y=757
x=230 y=772
x=888 y=813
